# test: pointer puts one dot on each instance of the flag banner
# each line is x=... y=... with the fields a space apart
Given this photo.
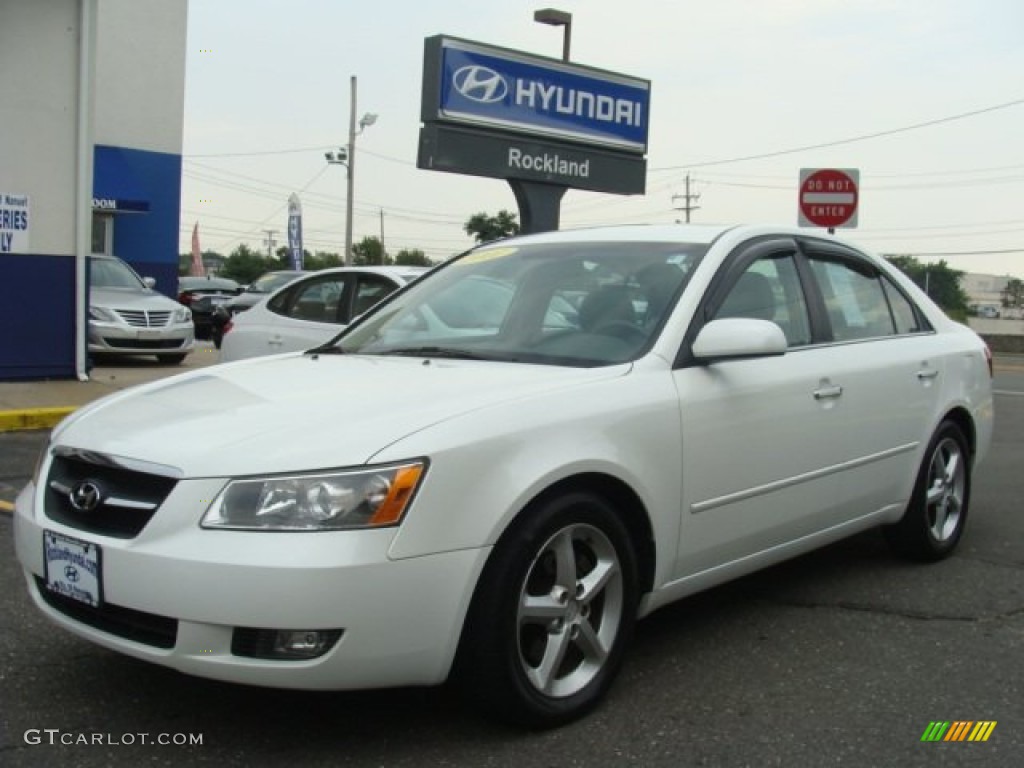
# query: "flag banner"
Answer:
x=197 y=269
x=295 y=231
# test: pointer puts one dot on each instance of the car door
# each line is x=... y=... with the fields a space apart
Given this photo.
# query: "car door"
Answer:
x=888 y=364
x=761 y=436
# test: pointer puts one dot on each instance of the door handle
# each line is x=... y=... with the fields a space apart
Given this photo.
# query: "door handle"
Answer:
x=828 y=393
x=927 y=373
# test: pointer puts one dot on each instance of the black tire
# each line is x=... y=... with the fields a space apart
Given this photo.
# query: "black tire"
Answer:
x=171 y=359
x=553 y=613
x=935 y=518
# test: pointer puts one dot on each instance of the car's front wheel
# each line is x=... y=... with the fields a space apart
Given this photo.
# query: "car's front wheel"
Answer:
x=935 y=518
x=553 y=612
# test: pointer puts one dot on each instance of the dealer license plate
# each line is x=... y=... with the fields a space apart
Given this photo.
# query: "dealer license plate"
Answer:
x=149 y=335
x=73 y=568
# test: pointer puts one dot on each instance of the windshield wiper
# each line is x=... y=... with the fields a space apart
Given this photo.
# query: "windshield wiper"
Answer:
x=448 y=352
x=326 y=349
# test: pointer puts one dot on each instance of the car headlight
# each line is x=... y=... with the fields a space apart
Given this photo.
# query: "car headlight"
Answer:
x=326 y=501
x=182 y=315
x=101 y=313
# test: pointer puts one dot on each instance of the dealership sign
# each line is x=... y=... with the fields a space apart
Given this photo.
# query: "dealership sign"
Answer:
x=14 y=223
x=511 y=91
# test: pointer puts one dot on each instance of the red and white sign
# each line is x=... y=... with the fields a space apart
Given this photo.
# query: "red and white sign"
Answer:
x=829 y=197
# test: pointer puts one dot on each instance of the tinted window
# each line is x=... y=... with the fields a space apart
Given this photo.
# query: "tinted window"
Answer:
x=370 y=290
x=854 y=298
x=769 y=289
x=316 y=300
x=906 y=316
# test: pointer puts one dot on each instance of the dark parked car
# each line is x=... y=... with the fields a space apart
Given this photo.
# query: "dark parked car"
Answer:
x=202 y=295
x=258 y=290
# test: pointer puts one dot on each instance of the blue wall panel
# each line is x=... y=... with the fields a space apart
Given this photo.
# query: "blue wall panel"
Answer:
x=37 y=317
x=149 y=241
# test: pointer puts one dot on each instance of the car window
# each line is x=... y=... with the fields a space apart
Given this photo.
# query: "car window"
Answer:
x=854 y=298
x=907 y=318
x=317 y=300
x=369 y=290
x=769 y=289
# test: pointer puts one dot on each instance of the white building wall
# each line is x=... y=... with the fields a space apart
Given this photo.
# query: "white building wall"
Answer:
x=38 y=114
x=140 y=61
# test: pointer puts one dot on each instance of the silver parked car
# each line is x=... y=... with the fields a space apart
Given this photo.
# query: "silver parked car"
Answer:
x=127 y=317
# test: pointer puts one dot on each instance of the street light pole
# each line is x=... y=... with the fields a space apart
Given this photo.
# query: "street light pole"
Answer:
x=557 y=18
x=351 y=154
x=347 y=156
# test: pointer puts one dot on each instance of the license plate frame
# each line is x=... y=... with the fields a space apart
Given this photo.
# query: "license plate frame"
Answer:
x=73 y=568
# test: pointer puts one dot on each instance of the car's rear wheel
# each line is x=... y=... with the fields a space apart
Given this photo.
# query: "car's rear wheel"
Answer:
x=553 y=612
x=171 y=359
x=935 y=518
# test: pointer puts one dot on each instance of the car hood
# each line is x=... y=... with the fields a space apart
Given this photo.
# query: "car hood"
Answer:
x=127 y=298
x=299 y=412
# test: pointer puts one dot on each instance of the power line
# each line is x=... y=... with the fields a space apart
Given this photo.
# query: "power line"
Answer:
x=839 y=142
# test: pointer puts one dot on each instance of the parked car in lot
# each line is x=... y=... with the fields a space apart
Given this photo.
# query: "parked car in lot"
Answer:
x=445 y=491
x=127 y=317
x=310 y=310
x=254 y=293
x=202 y=295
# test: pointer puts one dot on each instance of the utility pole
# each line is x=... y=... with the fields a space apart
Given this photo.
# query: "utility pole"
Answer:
x=382 y=234
x=689 y=198
x=270 y=242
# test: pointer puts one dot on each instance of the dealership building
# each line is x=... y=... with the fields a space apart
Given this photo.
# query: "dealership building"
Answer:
x=92 y=108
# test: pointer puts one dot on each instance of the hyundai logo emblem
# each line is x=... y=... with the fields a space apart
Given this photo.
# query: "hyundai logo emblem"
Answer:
x=86 y=496
x=480 y=84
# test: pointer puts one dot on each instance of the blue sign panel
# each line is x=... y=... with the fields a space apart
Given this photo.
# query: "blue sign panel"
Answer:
x=512 y=91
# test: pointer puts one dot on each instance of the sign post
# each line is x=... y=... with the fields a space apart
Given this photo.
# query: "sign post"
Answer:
x=829 y=197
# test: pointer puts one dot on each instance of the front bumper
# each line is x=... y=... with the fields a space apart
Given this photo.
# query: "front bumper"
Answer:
x=116 y=338
x=400 y=619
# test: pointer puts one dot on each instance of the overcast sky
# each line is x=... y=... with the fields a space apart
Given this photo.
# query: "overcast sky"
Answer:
x=924 y=97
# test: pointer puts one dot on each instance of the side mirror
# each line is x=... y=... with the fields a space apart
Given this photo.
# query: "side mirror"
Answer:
x=150 y=282
x=735 y=338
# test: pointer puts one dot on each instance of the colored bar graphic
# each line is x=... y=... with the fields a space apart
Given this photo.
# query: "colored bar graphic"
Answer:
x=958 y=730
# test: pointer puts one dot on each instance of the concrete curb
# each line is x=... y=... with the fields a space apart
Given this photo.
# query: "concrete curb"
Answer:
x=33 y=418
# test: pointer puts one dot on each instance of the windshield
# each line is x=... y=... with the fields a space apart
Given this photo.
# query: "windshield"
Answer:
x=112 y=273
x=581 y=304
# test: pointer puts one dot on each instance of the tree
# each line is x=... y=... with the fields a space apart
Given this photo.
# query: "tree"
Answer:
x=486 y=228
x=940 y=281
x=369 y=251
x=245 y=265
x=412 y=257
x=1013 y=293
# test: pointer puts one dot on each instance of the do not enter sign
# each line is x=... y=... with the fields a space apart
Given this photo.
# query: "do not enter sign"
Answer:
x=829 y=197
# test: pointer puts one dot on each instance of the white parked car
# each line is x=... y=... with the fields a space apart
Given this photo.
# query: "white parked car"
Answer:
x=310 y=311
x=127 y=317
x=496 y=495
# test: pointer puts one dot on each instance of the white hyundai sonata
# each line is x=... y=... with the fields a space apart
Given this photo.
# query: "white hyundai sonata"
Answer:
x=493 y=473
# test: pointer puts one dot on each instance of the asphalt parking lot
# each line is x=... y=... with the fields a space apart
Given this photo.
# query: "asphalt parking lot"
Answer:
x=841 y=657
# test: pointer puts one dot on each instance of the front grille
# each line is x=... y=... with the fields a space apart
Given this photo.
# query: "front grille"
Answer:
x=127 y=498
x=141 y=318
x=139 y=626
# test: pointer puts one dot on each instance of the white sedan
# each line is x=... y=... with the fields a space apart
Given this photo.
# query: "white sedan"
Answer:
x=309 y=311
x=494 y=489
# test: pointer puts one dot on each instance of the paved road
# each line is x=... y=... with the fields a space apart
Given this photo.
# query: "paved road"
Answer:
x=842 y=657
